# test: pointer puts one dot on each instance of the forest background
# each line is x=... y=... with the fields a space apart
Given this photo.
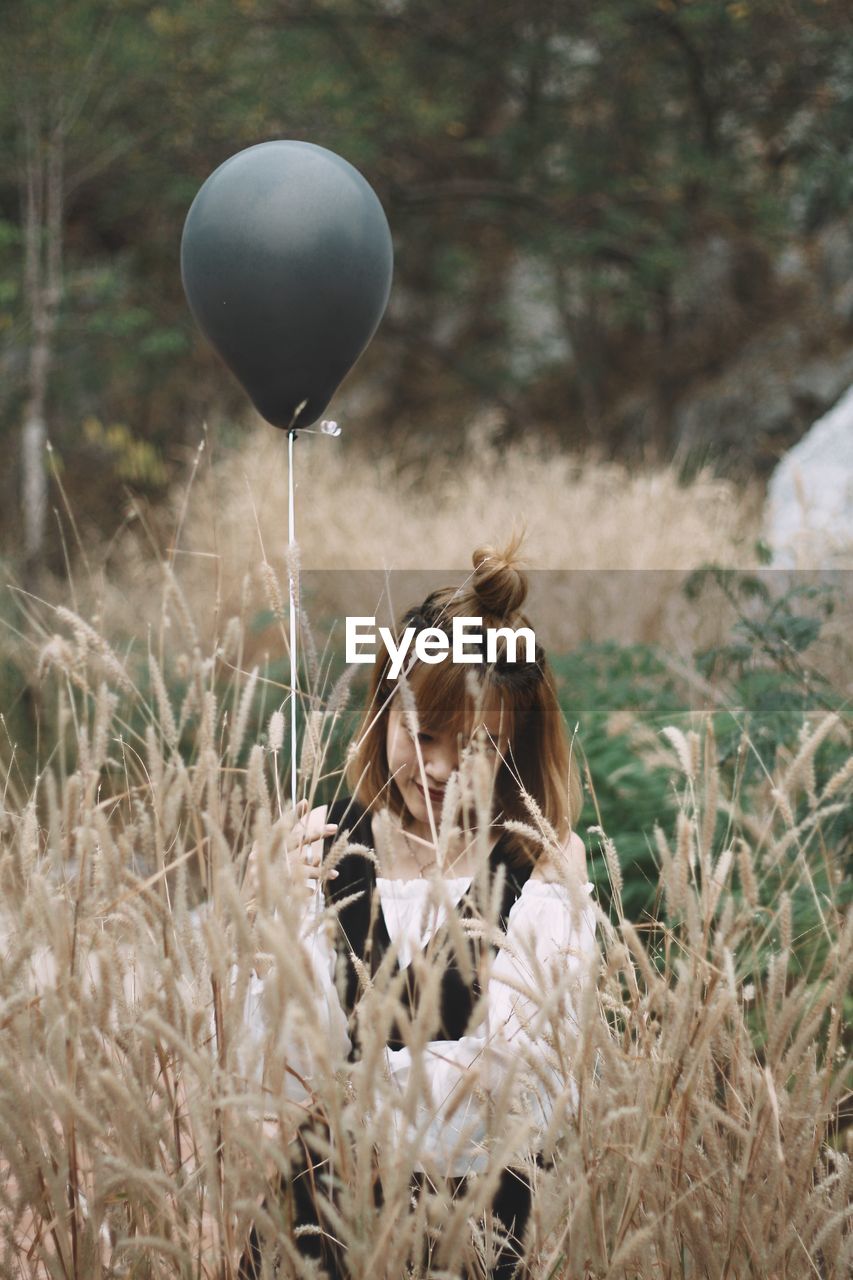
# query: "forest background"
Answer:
x=621 y=228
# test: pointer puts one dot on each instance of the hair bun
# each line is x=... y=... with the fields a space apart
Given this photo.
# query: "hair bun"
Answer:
x=498 y=582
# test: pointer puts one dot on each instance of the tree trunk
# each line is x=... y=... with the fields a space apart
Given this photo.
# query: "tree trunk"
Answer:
x=34 y=486
x=43 y=200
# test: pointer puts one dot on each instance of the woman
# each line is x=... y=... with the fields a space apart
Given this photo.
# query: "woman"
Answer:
x=452 y=775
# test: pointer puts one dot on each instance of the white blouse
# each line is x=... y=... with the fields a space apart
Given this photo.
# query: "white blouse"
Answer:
x=542 y=930
x=403 y=903
x=545 y=940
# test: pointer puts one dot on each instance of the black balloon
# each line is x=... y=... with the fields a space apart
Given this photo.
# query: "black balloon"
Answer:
x=286 y=260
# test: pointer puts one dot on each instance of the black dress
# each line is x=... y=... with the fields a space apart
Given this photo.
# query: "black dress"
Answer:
x=357 y=875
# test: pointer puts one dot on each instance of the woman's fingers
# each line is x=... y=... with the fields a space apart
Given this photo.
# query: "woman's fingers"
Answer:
x=303 y=853
x=313 y=868
x=300 y=838
x=307 y=843
x=303 y=849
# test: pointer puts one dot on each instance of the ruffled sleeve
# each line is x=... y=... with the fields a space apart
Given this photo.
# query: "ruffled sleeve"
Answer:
x=549 y=938
x=331 y=1018
x=291 y=1052
x=550 y=943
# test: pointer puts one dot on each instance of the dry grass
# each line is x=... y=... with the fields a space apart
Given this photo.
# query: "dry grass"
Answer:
x=580 y=514
x=590 y=528
x=140 y=1125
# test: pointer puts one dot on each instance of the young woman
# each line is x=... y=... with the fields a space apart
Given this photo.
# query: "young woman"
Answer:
x=448 y=757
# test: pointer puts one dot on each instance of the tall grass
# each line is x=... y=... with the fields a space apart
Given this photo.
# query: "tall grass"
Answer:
x=357 y=511
x=143 y=1121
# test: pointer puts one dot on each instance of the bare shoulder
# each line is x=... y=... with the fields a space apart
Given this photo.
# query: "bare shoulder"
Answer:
x=571 y=856
x=576 y=853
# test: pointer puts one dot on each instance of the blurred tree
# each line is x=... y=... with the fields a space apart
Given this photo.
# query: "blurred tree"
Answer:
x=597 y=150
x=63 y=73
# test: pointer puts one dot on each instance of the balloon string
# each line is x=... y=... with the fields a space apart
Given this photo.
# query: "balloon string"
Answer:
x=292 y=572
x=317 y=904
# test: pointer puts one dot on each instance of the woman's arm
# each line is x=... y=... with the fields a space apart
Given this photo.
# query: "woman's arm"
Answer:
x=550 y=943
x=328 y=1021
x=549 y=946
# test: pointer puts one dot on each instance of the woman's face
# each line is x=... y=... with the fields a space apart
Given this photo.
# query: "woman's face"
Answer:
x=440 y=755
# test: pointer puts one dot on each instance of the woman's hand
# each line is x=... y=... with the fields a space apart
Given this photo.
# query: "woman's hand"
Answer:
x=303 y=850
x=556 y=864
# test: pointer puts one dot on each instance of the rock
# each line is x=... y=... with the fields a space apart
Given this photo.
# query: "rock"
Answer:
x=809 y=511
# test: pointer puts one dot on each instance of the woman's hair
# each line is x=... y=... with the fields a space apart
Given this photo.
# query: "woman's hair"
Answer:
x=537 y=757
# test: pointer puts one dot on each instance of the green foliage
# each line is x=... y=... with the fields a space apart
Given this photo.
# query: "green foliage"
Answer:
x=605 y=689
x=134 y=460
x=18 y=713
x=768 y=700
x=768 y=684
x=776 y=698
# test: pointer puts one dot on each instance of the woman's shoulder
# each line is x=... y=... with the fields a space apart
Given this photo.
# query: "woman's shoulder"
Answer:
x=571 y=857
x=555 y=910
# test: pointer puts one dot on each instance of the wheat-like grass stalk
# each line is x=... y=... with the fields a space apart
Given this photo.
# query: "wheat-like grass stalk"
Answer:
x=164 y=1036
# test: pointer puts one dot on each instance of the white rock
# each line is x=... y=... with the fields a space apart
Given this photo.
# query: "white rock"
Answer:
x=808 y=516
